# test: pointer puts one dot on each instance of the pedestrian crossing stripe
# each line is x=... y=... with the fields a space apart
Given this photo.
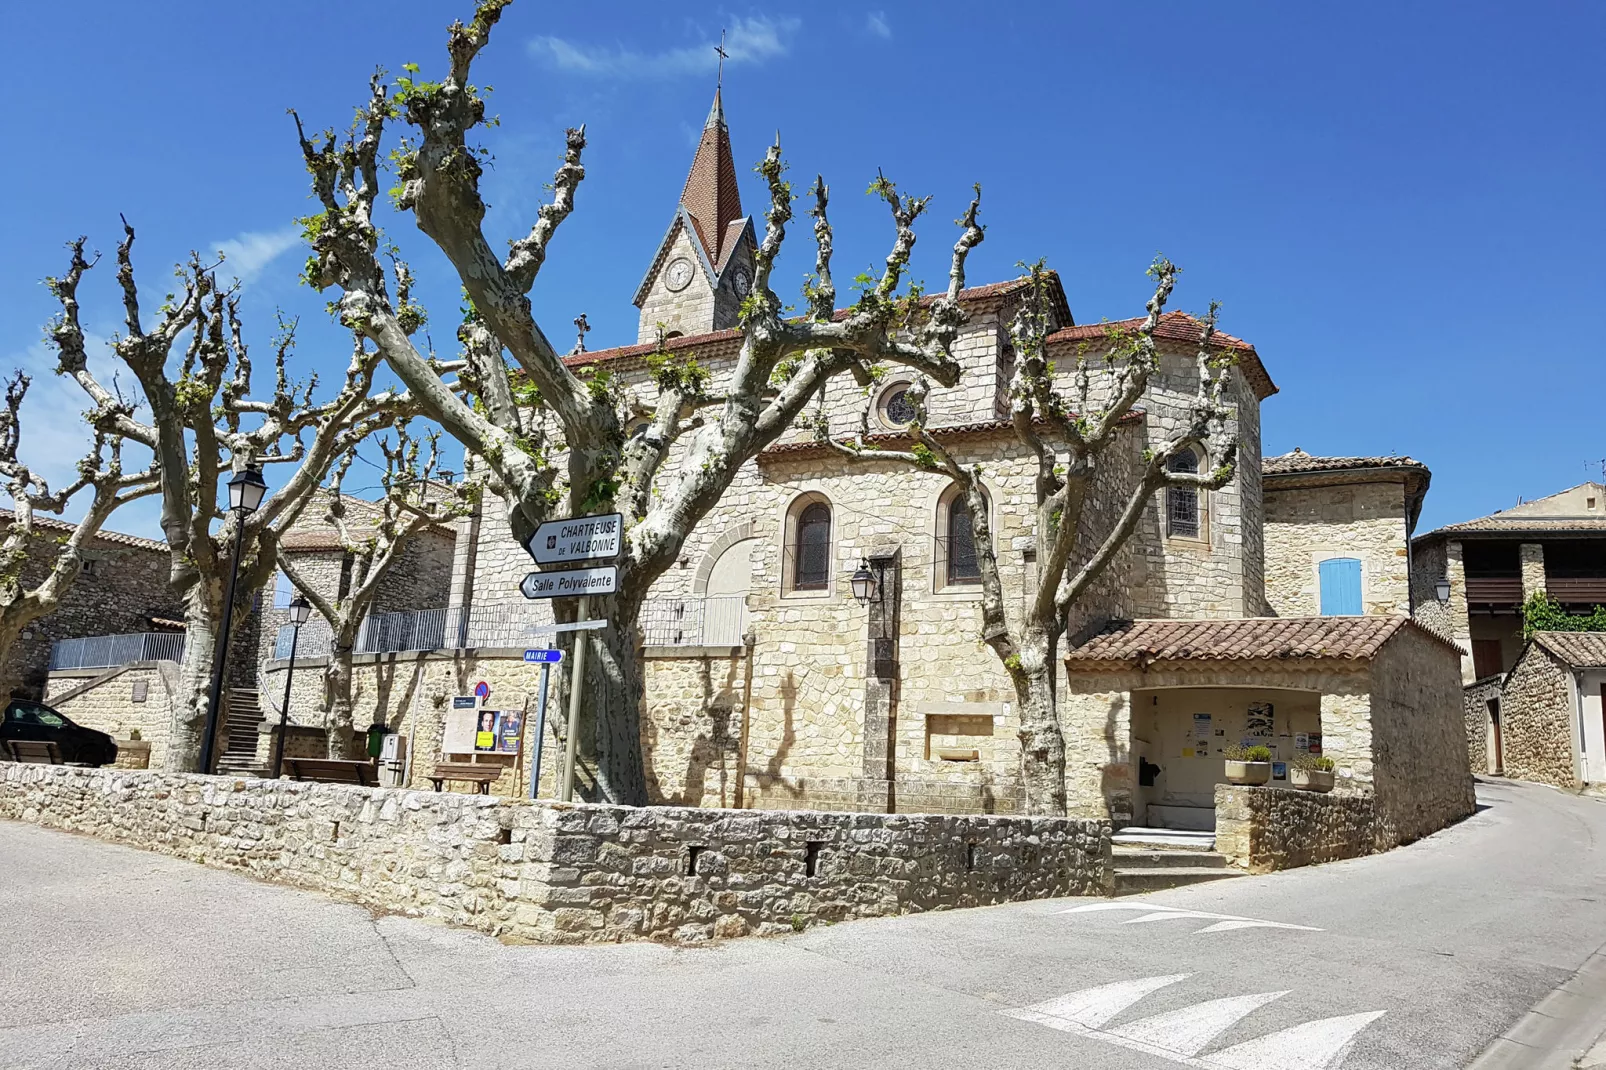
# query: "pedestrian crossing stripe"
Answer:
x=1180 y=1036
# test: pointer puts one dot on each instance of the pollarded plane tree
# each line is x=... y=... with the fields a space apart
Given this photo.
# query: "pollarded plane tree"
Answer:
x=1070 y=431
x=375 y=535
x=663 y=479
x=193 y=368
x=31 y=584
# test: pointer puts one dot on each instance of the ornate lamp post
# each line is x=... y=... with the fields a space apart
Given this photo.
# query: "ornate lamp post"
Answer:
x=300 y=610
x=245 y=494
x=863 y=583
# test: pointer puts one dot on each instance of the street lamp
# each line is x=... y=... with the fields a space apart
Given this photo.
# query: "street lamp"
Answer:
x=300 y=610
x=1442 y=589
x=245 y=494
x=863 y=583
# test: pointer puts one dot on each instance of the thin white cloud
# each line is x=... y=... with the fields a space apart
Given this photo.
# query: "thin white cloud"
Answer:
x=245 y=255
x=752 y=40
x=876 y=23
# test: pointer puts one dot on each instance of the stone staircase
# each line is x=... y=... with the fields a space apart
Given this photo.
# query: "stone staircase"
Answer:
x=1150 y=859
x=242 y=715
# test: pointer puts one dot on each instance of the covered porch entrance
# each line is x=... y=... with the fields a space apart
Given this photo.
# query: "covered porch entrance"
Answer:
x=1180 y=734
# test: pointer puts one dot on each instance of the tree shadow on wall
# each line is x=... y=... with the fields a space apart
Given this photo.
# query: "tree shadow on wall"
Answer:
x=714 y=749
x=771 y=777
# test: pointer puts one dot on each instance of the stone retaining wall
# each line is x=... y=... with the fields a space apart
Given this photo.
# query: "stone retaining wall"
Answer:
x=1266 y=829
x=555 y=873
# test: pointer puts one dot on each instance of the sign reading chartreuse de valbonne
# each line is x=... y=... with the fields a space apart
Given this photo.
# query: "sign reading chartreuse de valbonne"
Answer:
x=579 y=538
x=575 y=581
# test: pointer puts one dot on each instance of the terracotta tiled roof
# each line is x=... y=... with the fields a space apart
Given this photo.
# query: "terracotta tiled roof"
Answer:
x=1583 y=650
x=711 y=194
x=1508 y=526
x=1178 y=327
x=1299 y=469
x=50 y=523
x=1299 y=462
x=900 y=438
x=1257 y=639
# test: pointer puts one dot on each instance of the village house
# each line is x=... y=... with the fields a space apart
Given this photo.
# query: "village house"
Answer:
x=1531 y=706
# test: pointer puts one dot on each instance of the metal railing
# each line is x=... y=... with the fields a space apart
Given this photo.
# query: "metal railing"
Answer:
x=109 y=651
x=712 y=620
x=453 y=628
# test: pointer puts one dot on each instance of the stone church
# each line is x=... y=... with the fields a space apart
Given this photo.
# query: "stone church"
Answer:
x=1277 y=609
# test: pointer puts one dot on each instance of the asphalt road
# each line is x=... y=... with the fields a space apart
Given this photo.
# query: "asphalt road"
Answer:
x=110 y=956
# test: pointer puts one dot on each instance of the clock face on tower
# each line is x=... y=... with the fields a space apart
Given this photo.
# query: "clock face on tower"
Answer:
x=741 y=281
x=679 y=273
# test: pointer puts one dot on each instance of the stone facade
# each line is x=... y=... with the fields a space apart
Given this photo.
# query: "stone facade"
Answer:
x=555 y=873
x=1265 y=829
x=124 y=587
x=1536 y=722
x=1306 y=525
x=1531 y=556
x=1481 y=703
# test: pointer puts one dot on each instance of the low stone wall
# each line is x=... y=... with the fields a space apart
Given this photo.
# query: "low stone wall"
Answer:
x=1266 y=829
x=556 y=873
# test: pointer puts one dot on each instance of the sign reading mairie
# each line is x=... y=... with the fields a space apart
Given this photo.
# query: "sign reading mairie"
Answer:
x=579 y=538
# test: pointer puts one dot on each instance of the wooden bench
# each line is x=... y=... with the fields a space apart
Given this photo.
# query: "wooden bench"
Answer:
x=333 y=771
x=481 y=776
x=36 y=752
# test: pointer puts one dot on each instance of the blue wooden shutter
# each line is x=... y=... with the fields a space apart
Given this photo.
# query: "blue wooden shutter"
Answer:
x=1341 y=587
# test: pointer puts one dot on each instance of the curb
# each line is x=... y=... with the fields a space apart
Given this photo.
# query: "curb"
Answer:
x=1559 y=1029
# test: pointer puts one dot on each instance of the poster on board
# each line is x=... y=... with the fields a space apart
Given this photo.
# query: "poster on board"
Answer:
x=1201 y=726
x=485 y=731
x=1261 y=719
x=509 y=725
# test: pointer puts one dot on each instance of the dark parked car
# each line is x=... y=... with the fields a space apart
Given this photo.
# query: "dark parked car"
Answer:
x=35 y=721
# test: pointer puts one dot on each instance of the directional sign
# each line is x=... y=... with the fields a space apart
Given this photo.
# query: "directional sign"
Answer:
x=540 y=657
x=579 y=538
x=570 y=584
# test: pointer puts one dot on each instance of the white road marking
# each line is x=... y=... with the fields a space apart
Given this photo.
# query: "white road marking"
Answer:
x=1313 y=1046
x=1156 y=912
x=1179 y=1036
x=1187 y=1030
x=1092 y=1007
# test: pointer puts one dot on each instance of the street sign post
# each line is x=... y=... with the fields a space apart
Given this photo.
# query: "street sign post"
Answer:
x=546 y=659
x=576 y=582
x=579 y=538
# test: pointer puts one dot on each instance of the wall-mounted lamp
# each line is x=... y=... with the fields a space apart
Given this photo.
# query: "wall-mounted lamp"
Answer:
x=1442 y=589
x=864 y=584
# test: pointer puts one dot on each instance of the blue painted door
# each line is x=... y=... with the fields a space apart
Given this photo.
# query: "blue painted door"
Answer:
x=1341 y=587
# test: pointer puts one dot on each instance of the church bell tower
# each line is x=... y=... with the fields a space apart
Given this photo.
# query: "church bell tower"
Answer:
x=704 y=264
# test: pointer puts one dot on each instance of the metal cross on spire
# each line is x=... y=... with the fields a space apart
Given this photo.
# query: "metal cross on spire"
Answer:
x=719 y=83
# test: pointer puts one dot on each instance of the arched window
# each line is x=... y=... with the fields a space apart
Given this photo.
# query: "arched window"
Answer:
x=1182 y=503
x=963 y=565
x=811 y=548
x=957 y=559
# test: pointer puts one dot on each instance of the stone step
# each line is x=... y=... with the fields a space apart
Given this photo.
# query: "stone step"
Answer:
x=1137 y=858
x=1177 y=816
x=1137 y=881
x=1164 y=839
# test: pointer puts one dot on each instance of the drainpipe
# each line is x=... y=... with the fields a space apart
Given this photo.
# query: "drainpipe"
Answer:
x=750 y=640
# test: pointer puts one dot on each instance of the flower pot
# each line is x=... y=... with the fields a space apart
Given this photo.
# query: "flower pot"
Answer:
x=1311 y=779
x=1248 y=772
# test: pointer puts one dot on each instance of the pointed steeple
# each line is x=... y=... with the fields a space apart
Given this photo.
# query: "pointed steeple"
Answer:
x=711 y=196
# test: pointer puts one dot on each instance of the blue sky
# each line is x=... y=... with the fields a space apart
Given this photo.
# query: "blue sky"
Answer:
x=1400 y=204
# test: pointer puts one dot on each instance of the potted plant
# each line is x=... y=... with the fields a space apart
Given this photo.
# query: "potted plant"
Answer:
x=1248 y=765
x=1311 y=772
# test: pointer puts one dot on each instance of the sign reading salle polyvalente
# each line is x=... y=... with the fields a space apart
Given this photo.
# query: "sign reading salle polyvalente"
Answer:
x=571 y=583
x=578 y=538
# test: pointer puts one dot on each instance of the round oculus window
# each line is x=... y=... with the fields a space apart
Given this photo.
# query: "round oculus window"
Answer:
x=678 y=276
x=896 y=408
